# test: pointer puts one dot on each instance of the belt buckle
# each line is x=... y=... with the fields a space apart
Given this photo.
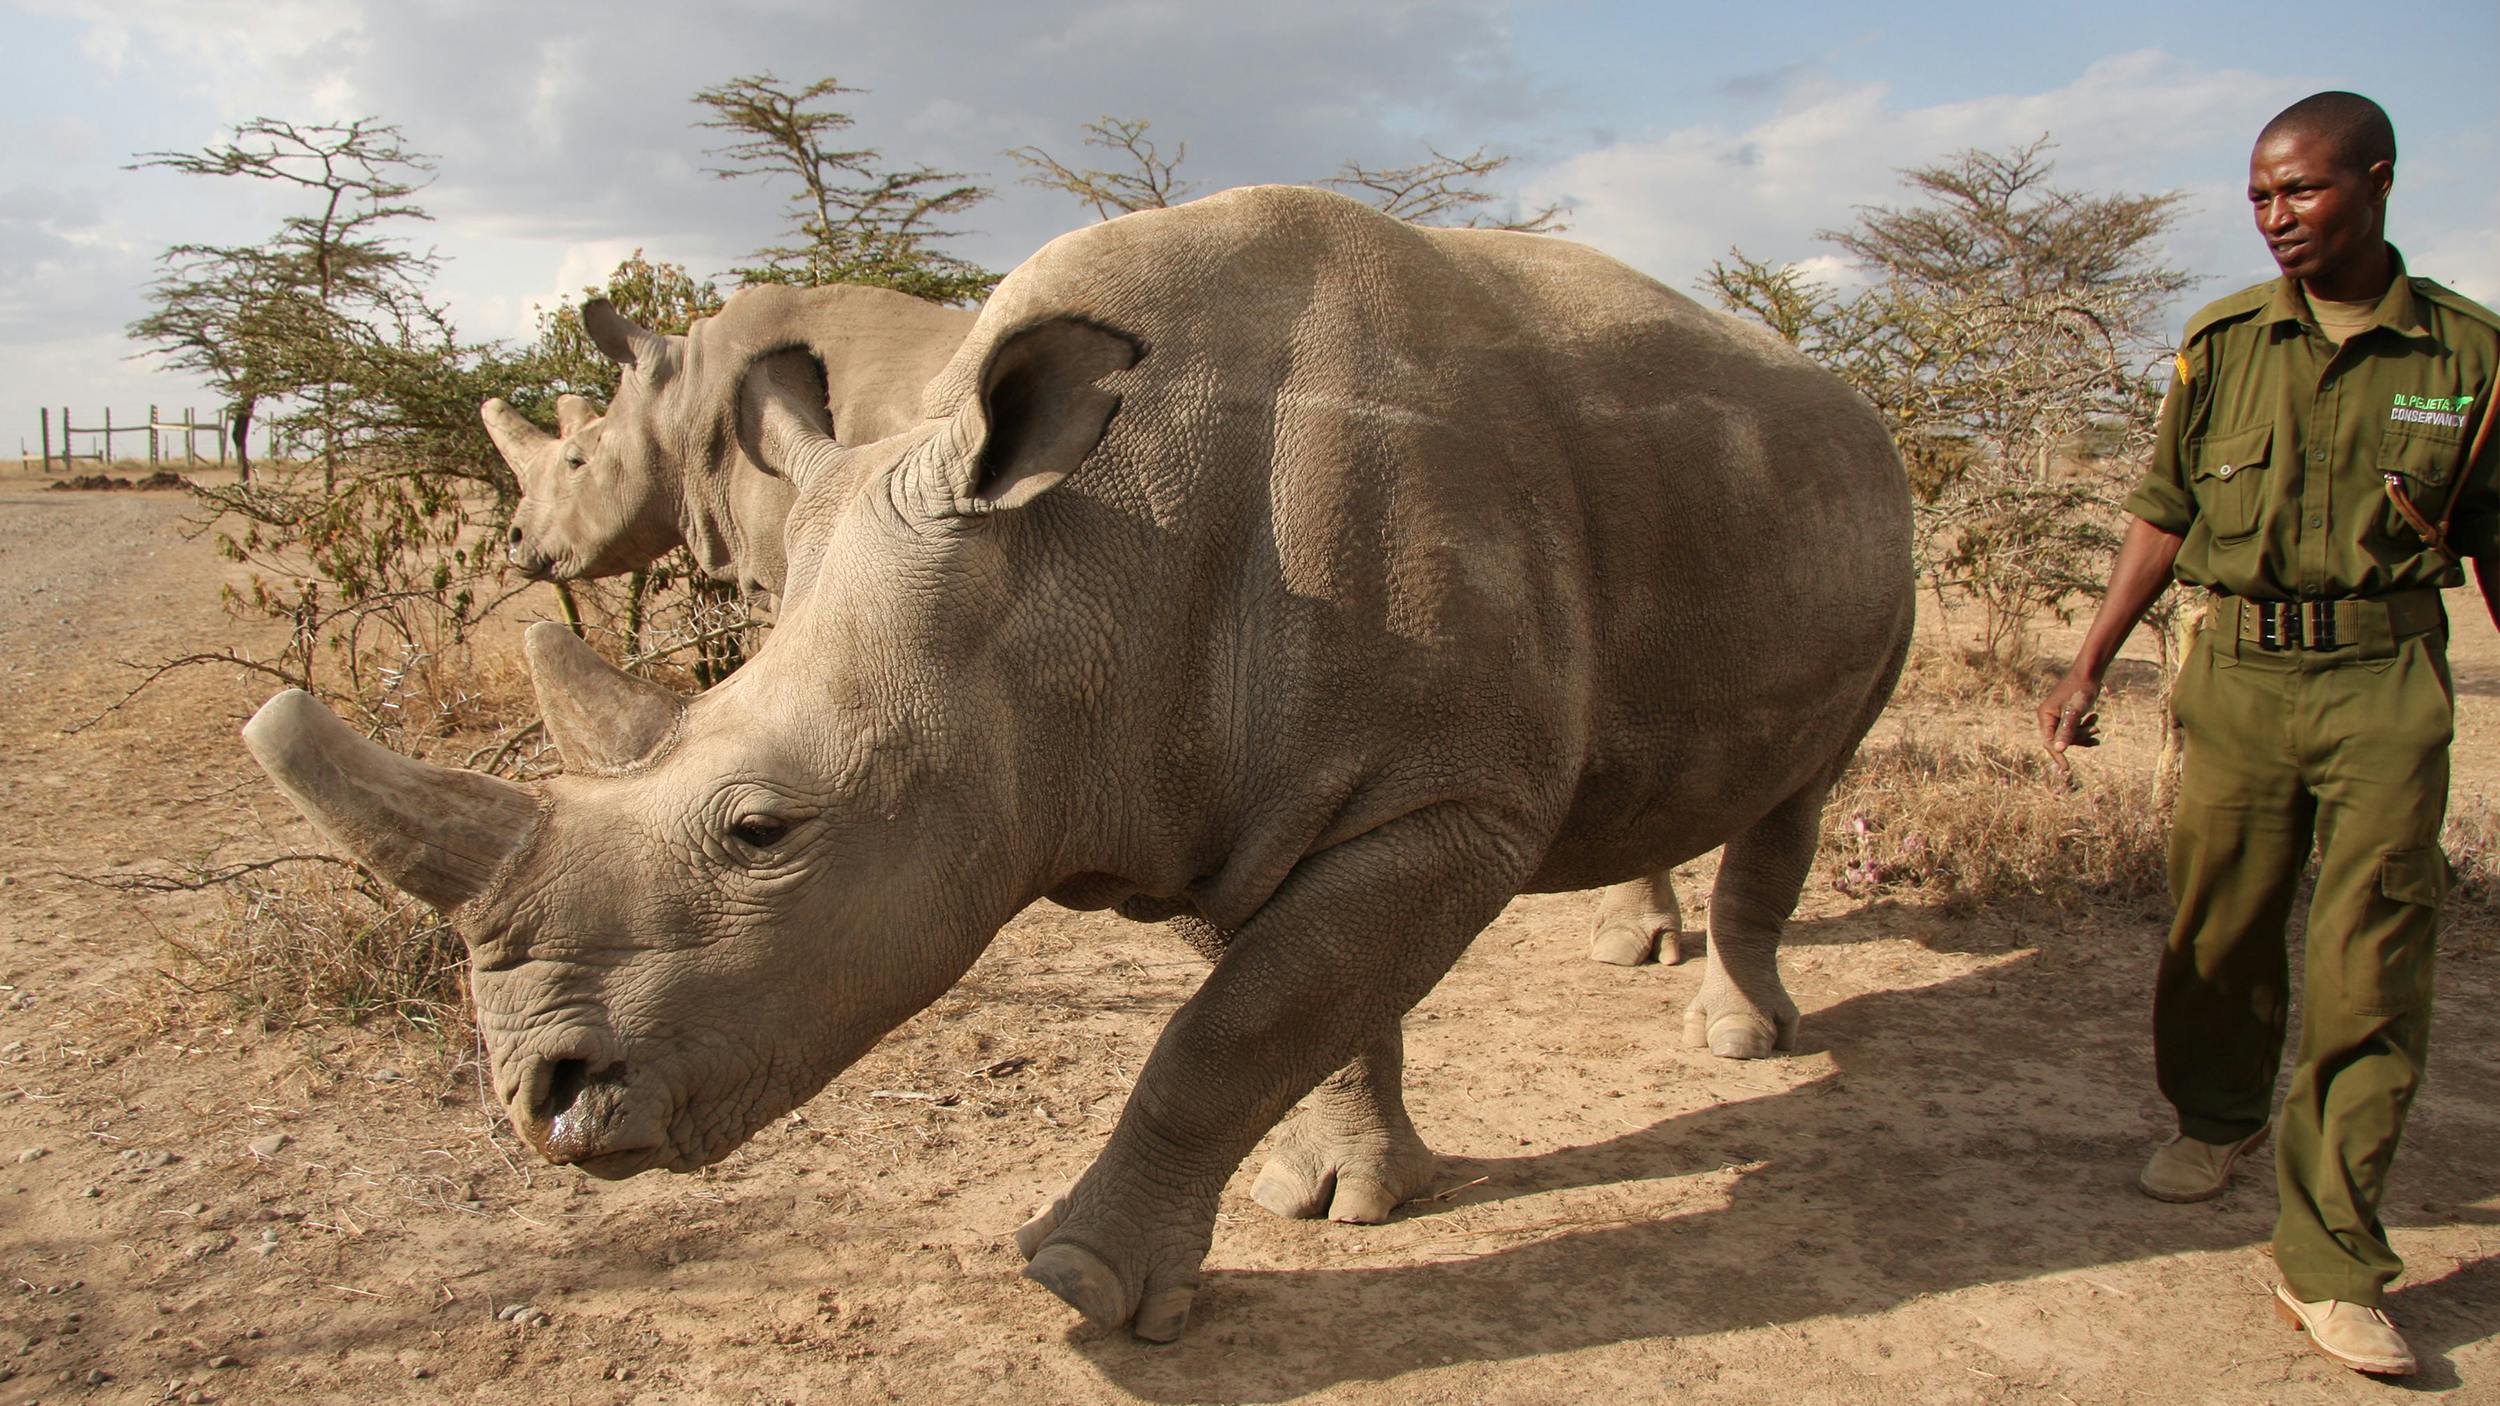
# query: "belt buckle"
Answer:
x=2278 y=628
x=2318 y=623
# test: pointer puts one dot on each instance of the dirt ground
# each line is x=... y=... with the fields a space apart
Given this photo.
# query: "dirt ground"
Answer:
x=1927 y=1202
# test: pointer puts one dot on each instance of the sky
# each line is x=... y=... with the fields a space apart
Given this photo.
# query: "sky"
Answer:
x=563 y=133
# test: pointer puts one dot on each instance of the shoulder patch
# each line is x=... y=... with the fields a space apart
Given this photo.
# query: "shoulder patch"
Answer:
x=2431 y=291
x=2222 y=310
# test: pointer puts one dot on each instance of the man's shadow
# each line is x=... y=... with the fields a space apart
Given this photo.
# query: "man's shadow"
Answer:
x=1856 y=1193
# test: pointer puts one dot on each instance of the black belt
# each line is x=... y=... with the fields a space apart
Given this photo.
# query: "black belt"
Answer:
x=2280 y=626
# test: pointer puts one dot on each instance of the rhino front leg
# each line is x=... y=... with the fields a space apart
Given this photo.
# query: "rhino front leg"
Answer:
x=1352 y=1154
x=1354 y=936
x=1637 y=921
x=1742 y=1010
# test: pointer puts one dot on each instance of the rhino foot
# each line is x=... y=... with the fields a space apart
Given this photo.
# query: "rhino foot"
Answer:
x=1741 y=1032
x=1635 y=939
x=1312 y=1175
x=1093 y=1286
x=1638 y=922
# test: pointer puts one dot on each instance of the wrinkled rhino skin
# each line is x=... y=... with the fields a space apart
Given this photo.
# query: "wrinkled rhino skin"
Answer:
x=1322 y=578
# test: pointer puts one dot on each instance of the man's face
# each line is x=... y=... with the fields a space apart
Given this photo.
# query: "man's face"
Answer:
x=2319 y=213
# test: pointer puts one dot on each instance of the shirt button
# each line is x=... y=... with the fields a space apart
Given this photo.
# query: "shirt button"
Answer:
x=2319 y=455
x=2317 y=522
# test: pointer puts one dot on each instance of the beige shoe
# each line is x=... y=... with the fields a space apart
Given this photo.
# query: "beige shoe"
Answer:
x=2348 y=1334
x=2184 y=1169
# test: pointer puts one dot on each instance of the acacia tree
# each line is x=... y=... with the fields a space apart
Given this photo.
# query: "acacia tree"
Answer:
x=1149 y=181
x=278 y=320
x=1440 y=190
x=856 y=220
x=371 y=554
x=2009 y=327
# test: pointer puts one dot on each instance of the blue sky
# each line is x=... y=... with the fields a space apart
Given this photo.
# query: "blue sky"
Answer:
x=1675 y=130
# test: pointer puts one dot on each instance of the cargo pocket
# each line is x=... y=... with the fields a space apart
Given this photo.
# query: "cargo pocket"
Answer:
x=2388 y=966
x=2423 y=460
x=2227 y=473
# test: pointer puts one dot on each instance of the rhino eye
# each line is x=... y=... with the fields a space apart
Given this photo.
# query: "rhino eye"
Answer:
x=759 y=831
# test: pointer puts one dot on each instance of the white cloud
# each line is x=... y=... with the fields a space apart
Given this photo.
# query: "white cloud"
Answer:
x=1669 y=204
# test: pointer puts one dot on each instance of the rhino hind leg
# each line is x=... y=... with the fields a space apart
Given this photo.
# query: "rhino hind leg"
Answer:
x=1352 y=1154
x=1291 y=1002
x=1742 y=1010
x=1638 y=921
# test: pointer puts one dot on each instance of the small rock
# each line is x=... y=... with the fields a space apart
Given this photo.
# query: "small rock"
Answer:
x=196 y=1208
x=511 y=1312
x=269 y=1236
x=225 y=1359
x=196 y=1398
x=386 y=1076
x=89 y=1192
x=97 y=1376
x=268 y=1146
x=420 y=1373
x=33 y=1154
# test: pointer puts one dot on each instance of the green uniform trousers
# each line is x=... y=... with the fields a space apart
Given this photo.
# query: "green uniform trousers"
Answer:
x=2283 y=749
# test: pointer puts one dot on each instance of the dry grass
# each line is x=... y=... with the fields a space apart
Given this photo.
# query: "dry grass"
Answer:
x=323 y=943
x=1963 y=823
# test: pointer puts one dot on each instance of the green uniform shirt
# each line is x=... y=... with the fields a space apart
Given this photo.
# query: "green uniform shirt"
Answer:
x=2273 y=442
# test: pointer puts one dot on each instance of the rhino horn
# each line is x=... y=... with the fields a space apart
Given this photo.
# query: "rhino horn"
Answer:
x=521 y=443
x=572 y=414
x=619 y=338
x=603 y=719
x=438 y=834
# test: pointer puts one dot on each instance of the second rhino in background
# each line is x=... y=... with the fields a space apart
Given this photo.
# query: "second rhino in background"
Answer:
x=610 y=494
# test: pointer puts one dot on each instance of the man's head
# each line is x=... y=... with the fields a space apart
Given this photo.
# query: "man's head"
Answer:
x=2317 y=183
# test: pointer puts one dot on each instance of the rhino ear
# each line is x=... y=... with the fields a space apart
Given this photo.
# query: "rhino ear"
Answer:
x=603 y=719
x=619 y=338
x=1039 y=413
x=572 y=413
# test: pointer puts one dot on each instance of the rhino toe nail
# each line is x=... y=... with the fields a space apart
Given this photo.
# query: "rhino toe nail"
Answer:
x=1164 y=1316
x=1083 y=1281
x=1622 y=946
x=1362 y=1201
x=1741 y=1037
x=1289 y=1195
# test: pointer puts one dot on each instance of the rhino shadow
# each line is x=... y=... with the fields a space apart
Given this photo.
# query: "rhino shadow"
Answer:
x=1845 y=1177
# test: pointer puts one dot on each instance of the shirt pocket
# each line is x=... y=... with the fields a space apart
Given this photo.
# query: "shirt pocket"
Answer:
x=2423 y=460
x=2227 y=473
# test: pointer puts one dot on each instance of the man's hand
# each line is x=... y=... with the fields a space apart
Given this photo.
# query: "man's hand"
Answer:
x=2068 y=718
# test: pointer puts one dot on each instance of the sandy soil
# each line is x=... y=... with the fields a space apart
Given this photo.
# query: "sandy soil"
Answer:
x=1928 y=1202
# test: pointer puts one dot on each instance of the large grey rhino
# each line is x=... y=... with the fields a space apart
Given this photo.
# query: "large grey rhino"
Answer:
x=608 y=495
x=674 y=475
x=1326 y=579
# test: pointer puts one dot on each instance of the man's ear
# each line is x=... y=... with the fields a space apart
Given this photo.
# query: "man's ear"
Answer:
x=1040 y=411
x=619 y=338
x=2382 y=178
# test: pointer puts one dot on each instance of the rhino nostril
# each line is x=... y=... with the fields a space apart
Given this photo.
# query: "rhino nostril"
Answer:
x=516 y=536
x=565 y=1083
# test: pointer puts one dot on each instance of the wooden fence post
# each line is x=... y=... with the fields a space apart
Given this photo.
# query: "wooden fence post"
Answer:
x=46 y=412
x=152 y=460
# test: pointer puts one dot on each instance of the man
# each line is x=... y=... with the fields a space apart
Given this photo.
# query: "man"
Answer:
x=2311 y=475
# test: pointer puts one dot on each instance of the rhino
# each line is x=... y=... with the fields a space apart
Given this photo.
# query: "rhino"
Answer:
x=605 y=496
x=676 y=477
x=1321 y=579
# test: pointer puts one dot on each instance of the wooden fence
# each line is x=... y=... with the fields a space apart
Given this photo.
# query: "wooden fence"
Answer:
x=162 y=435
